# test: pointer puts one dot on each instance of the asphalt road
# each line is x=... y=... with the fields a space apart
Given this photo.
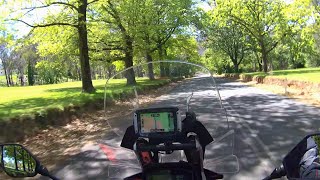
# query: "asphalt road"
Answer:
x=266 y=127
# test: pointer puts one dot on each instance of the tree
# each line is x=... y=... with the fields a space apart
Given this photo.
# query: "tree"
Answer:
x=9 y=57
x=297 y=47
x=119 y=17
x=135 y=28
x=59 y=43
x=4 y=56
x=229 y=39
x=162 y=18
x=18 y=64
x=30 y=55
x=73 y=14
x=263 y=20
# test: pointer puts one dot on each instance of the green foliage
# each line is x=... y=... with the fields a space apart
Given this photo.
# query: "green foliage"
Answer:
x=217 y=62
x=183 y=47
x=275 y=34
x=228 y=39
x=239 y=35
x=50 y=72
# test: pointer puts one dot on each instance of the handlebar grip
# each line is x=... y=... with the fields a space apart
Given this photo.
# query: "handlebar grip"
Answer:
x=277 y=173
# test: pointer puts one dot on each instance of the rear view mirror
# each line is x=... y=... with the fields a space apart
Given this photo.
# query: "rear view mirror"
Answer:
x=17 y=161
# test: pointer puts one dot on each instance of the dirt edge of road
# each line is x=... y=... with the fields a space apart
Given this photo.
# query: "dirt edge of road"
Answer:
x=310 y=98
x=306 y=92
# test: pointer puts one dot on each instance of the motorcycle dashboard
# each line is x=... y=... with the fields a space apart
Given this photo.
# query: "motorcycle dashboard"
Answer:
x=157 y=122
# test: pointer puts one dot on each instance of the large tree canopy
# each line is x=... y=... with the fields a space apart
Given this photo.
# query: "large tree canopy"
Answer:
x=89 y=39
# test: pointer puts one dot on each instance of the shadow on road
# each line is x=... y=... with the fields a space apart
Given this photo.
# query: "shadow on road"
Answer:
x=276 y=121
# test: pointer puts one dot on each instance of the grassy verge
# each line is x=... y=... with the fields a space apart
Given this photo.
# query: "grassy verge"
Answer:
x=20 y=101
x=303 y=74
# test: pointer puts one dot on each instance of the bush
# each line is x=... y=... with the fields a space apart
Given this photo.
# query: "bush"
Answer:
x=259 y=78
x=246 y=77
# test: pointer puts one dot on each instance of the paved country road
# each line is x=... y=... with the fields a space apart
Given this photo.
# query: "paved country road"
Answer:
x=266 y=127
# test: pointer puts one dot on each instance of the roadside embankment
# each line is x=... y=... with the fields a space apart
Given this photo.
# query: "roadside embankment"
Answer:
x=301 y=88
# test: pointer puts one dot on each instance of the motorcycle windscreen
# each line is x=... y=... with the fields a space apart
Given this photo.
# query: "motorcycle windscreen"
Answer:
x=168 y=84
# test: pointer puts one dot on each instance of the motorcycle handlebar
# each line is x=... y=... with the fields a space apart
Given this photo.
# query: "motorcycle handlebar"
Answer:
x=171 y=147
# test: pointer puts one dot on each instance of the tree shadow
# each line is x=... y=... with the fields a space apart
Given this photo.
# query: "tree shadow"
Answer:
x=276 y=121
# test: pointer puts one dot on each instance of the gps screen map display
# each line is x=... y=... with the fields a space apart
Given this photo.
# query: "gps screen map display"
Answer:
x=157 y=122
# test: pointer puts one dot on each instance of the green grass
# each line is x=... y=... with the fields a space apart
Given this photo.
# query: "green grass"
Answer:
x=17 y=101
x=303 y=74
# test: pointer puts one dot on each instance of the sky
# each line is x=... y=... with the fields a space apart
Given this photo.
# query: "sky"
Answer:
x=19 y=29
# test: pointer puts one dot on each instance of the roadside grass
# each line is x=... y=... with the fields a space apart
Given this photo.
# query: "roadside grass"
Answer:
x=19 y=101
x=303 y=74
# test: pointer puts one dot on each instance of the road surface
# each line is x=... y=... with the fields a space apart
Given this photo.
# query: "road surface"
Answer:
x=266 y=127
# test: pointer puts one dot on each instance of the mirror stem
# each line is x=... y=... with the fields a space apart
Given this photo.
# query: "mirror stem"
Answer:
x=44 y=172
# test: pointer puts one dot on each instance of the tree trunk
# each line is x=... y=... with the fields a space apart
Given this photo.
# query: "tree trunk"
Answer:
x=149 y=58
x=10 y=79
x=23 y=161
x=167 y=65
x=150 y=66
x=234 y=61
x=264 y=57
x=83 y=48
x=139 y=71
x=260 y=66
x=162 y=66
x=270 y=64
x=236 y=67
x=79 y=74
x=100 y=73
x=21 y=77
x=6 y=74
x=131 y=80
x=265 y=64
x=15 y=159
x=30 y=74
x=109 y=71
